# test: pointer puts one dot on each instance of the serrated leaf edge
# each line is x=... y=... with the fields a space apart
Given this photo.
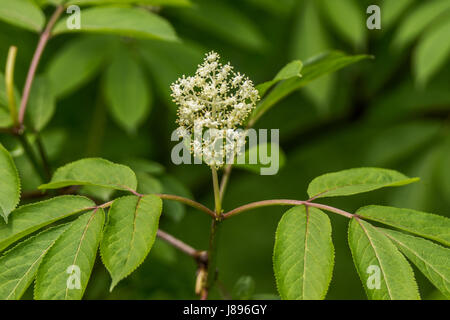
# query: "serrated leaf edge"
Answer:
x=48 y=200
x=398 y=243
x=393 y=184
x=40 y=257
x=442 y=241
x=94 y=211
x=357 y=269
x=19 y=185
x=119 y=187
x=330 y=277
x=115 y=282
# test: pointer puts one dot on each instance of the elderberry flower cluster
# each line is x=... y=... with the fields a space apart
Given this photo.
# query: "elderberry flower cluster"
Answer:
x=212 y=105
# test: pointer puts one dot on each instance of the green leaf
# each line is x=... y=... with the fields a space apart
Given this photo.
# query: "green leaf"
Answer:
x=408 y=100
x=41 y=105
x=127 y=92
x=265 y=296
x=244 y=288
x=443 y=172
x=5 y=118
x=54 y=140
x=312 y=69
x=225 y=21
x=163 y=61
x=384 y=272
x=419 y=196
x=348 y=19
x=400 y=141
x=93 y=172
x=303 y=255
x=177 y=3
x=129 y=234
x=391 y=10
x=132 y=22
x=94 y=192
x=66 y=268
x=353 y=181
x=431 y=53
x=148 y=184
x=424 y=224
x=274 y=7
x=173 y=209
x=265 y=158
x=53 y=2
x=310 y=38
x=291 y=70
x=163 y=252
x=22 y=13
x=9 y=184
x=418 y=20
x=431 y=259
x=85 y=56
x=3 y=95
x=29 y=218
x=145 y=165
x=18 y=266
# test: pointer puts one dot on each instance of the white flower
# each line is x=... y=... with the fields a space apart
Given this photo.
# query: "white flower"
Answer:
x=216 y=98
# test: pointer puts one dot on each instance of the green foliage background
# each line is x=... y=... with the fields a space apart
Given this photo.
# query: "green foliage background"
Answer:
x=392 y=112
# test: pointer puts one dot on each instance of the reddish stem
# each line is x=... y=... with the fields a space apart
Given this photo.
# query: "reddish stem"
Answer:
x=45 y=36
x=180 y=245
x=284 y=202
x=189 y=202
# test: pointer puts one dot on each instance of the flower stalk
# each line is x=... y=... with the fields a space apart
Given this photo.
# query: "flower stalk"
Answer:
x=212 y=104
x=217 y=197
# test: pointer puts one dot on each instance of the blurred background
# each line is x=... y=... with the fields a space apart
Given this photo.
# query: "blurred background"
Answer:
x=392 y=111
